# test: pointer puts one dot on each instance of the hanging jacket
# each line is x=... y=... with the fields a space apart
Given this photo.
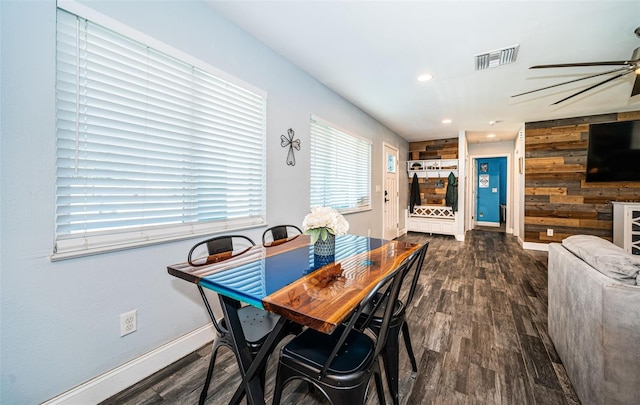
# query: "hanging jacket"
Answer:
x=414 y=197
x=451 y=197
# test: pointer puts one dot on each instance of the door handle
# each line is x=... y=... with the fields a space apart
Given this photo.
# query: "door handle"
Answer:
x=385 y=200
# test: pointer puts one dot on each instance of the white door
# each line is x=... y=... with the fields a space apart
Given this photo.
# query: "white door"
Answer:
x=390 y=193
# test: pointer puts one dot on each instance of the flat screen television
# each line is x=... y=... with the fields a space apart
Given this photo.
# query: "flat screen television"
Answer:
x=614 y=152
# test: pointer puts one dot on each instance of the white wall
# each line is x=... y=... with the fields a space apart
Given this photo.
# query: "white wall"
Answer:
x=491 y=148
x=60 y=321
x=463 y=152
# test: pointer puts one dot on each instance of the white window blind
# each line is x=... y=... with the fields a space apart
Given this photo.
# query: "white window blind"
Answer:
x=149 y=148
x=340 y=169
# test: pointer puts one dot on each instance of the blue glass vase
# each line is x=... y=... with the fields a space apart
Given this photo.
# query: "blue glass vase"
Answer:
x=324 y=251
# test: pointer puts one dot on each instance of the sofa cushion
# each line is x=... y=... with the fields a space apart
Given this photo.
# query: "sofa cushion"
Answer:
x=605 y=257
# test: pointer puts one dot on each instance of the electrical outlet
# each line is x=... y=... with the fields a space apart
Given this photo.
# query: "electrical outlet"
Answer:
x=128 y=322
x=549 y=232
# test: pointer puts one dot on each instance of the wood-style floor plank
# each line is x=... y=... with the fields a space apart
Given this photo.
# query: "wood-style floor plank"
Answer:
x=478 y=326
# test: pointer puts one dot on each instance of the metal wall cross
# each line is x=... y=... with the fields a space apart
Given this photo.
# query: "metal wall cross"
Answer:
x=291 y=143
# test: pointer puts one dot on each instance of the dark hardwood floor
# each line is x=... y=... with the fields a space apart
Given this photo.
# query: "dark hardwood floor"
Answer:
x=478 y=325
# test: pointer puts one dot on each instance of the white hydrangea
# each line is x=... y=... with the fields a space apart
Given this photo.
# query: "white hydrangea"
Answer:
x=322 y=220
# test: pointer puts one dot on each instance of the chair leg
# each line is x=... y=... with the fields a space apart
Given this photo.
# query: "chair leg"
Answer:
x=407 y=343
x=379 y=387
x=284 y=375
x=279 y=385
x=214 y=352
x=391 y=359
x=263 y=377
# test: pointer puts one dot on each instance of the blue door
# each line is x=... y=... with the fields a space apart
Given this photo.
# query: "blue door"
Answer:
x=488 y=186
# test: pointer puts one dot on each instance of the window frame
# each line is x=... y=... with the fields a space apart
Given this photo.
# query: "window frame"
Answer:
x=107 y=241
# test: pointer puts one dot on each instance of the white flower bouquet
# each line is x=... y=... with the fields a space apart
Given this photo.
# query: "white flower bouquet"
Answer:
x=322 y=221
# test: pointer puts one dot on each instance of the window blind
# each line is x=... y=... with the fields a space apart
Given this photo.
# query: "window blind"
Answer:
x=340 y=169
x=149 y=148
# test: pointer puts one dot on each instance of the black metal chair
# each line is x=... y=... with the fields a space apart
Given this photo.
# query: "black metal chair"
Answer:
x=278 y=232
x=391 y=350
x=256 y=323
x=340 y=365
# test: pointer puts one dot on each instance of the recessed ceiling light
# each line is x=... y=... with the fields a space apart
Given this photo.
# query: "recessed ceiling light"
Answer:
x=492 y=123
x=491 y=135
x=425 y=77
x=446 y=121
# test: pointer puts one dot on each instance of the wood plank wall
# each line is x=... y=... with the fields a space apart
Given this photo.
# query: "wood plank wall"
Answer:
x=556 y=195
x=432 y=192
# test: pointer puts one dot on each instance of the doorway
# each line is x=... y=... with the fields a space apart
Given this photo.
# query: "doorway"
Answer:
x=390 y=202
x=490 y=193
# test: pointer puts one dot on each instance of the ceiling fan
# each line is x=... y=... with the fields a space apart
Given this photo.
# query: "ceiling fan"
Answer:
x=627 y=66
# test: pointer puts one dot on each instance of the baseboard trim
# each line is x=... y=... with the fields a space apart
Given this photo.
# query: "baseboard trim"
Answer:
x=110 y=383
x=544 y=247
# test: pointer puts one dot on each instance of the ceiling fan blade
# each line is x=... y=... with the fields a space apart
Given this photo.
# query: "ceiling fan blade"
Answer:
x=572 y=81
x=594 y=86
x=609 y=63
x=636 y=86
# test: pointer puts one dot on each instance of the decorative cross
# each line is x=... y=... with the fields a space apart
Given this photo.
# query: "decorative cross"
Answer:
x=291 y=143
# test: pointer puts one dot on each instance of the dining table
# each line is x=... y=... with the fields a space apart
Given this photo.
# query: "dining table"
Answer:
x=288 y=278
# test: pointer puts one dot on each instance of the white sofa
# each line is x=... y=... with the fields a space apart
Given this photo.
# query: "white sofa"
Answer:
x=594 y=319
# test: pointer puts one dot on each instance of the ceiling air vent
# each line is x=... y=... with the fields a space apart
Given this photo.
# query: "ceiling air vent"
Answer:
x=496 y=58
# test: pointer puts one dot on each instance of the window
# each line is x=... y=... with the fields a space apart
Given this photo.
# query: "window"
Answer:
x=149 y=148
x=391 y=163
x=340 y=169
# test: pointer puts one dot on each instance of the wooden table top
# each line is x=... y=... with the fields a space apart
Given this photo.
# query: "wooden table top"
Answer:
x=282 y=277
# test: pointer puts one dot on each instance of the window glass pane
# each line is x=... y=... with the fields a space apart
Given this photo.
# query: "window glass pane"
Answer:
x=340 y=169
x=149 y=148
x=391 y=163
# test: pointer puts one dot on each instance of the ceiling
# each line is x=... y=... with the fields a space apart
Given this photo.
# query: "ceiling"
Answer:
x=371 y=53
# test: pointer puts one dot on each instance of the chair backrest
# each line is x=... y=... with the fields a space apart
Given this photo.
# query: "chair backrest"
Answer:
x=416 y=266
x=220 y=244
x=216 y=246
x=391 y=294
x=278 y=232
x=389 y=287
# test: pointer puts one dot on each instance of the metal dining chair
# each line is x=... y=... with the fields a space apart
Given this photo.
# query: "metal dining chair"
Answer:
x=340 y=365
x=279 y=232
x=391 y=350
x=256 y=323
